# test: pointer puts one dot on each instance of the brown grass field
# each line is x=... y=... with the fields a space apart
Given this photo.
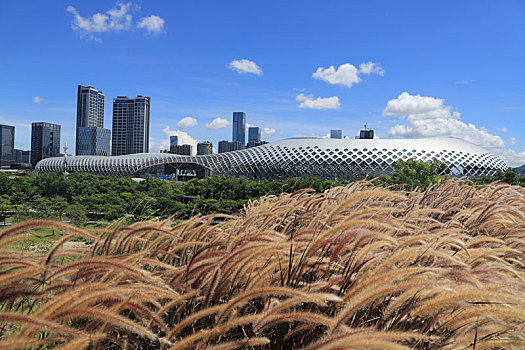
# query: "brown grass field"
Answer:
x=356 y=267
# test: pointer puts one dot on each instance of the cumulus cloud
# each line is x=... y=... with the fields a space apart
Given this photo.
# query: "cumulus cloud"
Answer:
x=268 y=132
x=37 y=99
x=308 y=101
x=218 y=123
x=245 y=66
x=152 y=24
x=186 y=122
x=184 y=138
x=347 y=74
x=118 y=18
x=371 y=67
x=429 y=117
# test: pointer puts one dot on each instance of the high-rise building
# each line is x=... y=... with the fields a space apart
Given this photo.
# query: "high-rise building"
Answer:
x=227 y=146
x=254 y=134
x=336 y=134
x=174 y=140
x=93 y=141
x=224 y=146
x=204 y=148
x=130 y=125
x=45 y=141
x=7 y=145
x=91 y=137
x=183 y=150
x=236 y=146
x=239 y=127
x=22 y=156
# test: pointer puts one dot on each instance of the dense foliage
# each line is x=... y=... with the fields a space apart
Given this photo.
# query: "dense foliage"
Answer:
x=413 y=174
x=357 y=267
x=84 y=197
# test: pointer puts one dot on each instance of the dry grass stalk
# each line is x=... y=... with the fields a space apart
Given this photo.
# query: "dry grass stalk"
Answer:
x=354 y=267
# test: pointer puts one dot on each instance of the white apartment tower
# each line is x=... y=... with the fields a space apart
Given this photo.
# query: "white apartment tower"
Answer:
x=130 y=125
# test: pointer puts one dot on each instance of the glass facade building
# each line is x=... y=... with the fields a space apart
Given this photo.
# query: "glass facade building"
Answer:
x=336 y=134
x=90 y=114
x=174 y=140
x=7 y=145
x=254 y=134
x=239 y=127
x=92 y=141
x=45 y=141
x=22 y=156
x=130 y=125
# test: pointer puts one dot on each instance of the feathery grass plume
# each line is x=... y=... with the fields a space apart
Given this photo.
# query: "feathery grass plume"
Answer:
x=354 y=267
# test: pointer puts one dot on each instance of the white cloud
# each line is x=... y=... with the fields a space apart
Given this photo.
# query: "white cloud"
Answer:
x=371 y=67
x=268 y=132
x=407 y=104
x=308 y=101
x=184 y=138
x=504 y=129
x=37 y=99
x=218 y=123
x=116 y=19
x=347 y=74
x=245 y=66
x=430 y=117
x=152 y=24
x=512 y=140
x=186 y=122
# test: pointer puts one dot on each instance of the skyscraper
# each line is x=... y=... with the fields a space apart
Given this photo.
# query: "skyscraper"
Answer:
x=130 y=125
x=93 y=141
x=45 y=141
x=224 y=146
x=174 y=140
x=336 y=134
x=239 y=127
x=7 y=145
x=254 y=134
x=91 y=137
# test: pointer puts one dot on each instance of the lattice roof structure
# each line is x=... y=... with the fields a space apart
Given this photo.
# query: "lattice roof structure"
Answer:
x=298 y=157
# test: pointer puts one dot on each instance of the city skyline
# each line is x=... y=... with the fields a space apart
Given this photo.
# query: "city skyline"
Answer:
x=408 y=70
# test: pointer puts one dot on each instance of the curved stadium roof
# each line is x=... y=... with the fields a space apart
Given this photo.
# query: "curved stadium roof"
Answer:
x=296 y=157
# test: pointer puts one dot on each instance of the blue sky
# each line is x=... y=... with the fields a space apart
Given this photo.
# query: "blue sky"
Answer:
x=407 y=68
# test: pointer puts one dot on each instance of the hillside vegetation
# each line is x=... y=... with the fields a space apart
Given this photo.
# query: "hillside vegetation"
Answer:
x=353 y=267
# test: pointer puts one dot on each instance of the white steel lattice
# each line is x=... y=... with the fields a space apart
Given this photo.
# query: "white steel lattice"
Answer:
x=297 y=157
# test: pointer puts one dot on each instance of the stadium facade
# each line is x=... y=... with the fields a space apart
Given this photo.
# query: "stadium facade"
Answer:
x=296 y=157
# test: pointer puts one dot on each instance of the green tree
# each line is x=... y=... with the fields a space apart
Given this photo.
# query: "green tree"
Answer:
x=414 y=174
x=5 y=208
x=76 y=213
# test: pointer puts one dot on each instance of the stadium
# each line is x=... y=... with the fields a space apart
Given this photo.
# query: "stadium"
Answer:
x=295 y=157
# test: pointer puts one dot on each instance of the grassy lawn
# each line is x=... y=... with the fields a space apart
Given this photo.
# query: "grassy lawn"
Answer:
x=39 y=241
